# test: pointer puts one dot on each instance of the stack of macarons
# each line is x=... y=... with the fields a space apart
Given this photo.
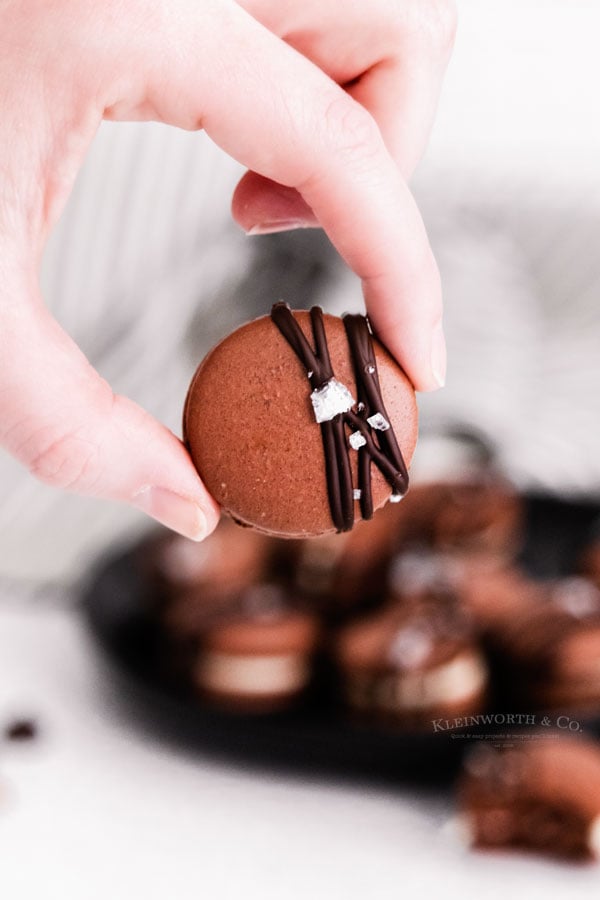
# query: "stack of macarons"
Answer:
x=380 y=621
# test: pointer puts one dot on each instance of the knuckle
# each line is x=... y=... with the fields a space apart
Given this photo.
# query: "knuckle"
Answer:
x=63 y=459
x=352 y=130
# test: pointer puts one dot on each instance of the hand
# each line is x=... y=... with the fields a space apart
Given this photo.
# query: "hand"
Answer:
x=327 y=103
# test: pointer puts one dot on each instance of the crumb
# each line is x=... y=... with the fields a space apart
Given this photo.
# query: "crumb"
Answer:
x=21 y=730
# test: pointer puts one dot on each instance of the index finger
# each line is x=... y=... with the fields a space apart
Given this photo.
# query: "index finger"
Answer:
x=282 y=117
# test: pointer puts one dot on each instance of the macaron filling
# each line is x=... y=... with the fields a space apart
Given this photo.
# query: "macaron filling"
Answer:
x=253 y=676
x=458 y=680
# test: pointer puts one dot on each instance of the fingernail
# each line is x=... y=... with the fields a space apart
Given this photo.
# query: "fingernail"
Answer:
x=176 y=512
x=438 y=355
x=279 y=225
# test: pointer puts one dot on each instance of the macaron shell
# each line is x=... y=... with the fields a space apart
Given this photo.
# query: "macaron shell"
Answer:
x=250 y=427
x=564 y=772
x=366 y=644
x=291 y=633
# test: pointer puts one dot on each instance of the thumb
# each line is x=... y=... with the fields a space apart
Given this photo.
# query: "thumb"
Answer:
x=64 y=423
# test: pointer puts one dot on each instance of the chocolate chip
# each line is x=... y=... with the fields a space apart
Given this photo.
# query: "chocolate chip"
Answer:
x=21 y=730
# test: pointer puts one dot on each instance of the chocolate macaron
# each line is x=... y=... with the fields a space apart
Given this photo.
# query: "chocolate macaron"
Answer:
x=542 y=796
x=412 y=661
x=341 y=574
x=200 y=582
x=259 y=659
x=301 y=423
x=549 y=652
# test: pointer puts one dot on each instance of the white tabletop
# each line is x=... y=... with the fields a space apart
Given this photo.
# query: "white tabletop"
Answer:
x=95 y=808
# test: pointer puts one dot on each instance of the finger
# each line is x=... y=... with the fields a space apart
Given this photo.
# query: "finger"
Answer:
x=399 y=84
x=404 y=111
x=396 y=324
x=402 y=98
x=262 y=206
x=62 y=421
x=391 y=57
x=357 y=194
x=287 y=121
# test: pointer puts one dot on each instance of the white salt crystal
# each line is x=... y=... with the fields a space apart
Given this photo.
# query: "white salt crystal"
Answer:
x=378 y=422
x=357 y=440
x=331 y=399
x=410 y=647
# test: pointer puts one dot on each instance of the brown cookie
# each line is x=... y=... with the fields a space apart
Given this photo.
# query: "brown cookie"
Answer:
x=285 y=431
x=227 y=560
x=543 y=795
x=340 y=574
x=494 y=594
x=549 y=648
x=481 y=514
x=198 y=582
x=412 y=661
x=260 y=659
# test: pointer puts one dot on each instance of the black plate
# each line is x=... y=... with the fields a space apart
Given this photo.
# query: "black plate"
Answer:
x=317 y=736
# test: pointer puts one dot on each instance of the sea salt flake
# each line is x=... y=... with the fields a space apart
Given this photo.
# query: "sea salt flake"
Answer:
x=360 y=407
x=396 y=498
x=357 y=440
x=331 y=399
x=310 y=373
x=370 y=370
x=577 y=597
x=410 y=647
x=356 y=493
x=378 y=422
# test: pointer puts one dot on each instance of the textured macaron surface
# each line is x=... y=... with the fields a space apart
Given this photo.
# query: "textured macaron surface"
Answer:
x=250 y=427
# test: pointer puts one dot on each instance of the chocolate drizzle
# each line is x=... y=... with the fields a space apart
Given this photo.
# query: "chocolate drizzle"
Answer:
x=378 y=446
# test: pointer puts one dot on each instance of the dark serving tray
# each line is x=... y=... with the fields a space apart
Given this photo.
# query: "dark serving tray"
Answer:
x=317 y=736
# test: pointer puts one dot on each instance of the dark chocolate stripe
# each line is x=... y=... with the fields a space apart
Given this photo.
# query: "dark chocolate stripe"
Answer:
x=381 y=447
x=319 y=370
x=337 y=464
x=387 y=455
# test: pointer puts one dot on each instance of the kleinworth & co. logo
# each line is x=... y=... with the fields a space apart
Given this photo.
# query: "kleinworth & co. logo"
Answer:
x=493 y=726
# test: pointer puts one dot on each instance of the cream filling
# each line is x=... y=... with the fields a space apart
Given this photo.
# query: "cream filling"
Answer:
x=450 y=683
x=593 y=837
x=460 y=829
x=461 y=678
x=253 y=676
